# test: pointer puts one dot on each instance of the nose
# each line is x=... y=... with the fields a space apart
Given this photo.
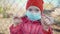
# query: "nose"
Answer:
x=33 y=12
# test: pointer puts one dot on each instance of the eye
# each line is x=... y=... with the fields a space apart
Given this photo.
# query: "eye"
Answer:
x=30 y=9
x=36 y=10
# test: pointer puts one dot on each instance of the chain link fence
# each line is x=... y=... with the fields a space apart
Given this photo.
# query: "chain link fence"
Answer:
x=10 y=8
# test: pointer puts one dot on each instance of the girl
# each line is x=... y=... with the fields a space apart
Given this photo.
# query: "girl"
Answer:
x=34 y=22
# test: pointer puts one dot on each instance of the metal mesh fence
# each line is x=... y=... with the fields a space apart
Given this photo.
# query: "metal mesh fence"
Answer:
x=10 y=8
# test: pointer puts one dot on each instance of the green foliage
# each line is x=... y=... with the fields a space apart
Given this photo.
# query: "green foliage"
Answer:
x=57 y=20
x=1 y=10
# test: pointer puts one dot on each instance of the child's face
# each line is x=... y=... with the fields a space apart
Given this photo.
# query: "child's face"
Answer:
x=34 y=9
x=33 y=13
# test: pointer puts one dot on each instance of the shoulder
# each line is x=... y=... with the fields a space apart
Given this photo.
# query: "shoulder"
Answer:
x=11 y=27
x=23 y=17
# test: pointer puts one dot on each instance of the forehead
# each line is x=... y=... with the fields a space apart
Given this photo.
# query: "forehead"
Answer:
x=33 y=7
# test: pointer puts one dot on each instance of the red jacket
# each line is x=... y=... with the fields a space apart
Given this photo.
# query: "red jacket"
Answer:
x=29 y=27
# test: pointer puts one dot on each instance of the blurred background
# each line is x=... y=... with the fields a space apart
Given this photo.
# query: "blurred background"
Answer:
x=10 y=8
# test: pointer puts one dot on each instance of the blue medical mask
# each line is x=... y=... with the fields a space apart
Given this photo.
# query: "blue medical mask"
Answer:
x=32 y=16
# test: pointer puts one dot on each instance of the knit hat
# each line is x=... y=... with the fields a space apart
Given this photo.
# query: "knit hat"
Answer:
x=37 y=3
